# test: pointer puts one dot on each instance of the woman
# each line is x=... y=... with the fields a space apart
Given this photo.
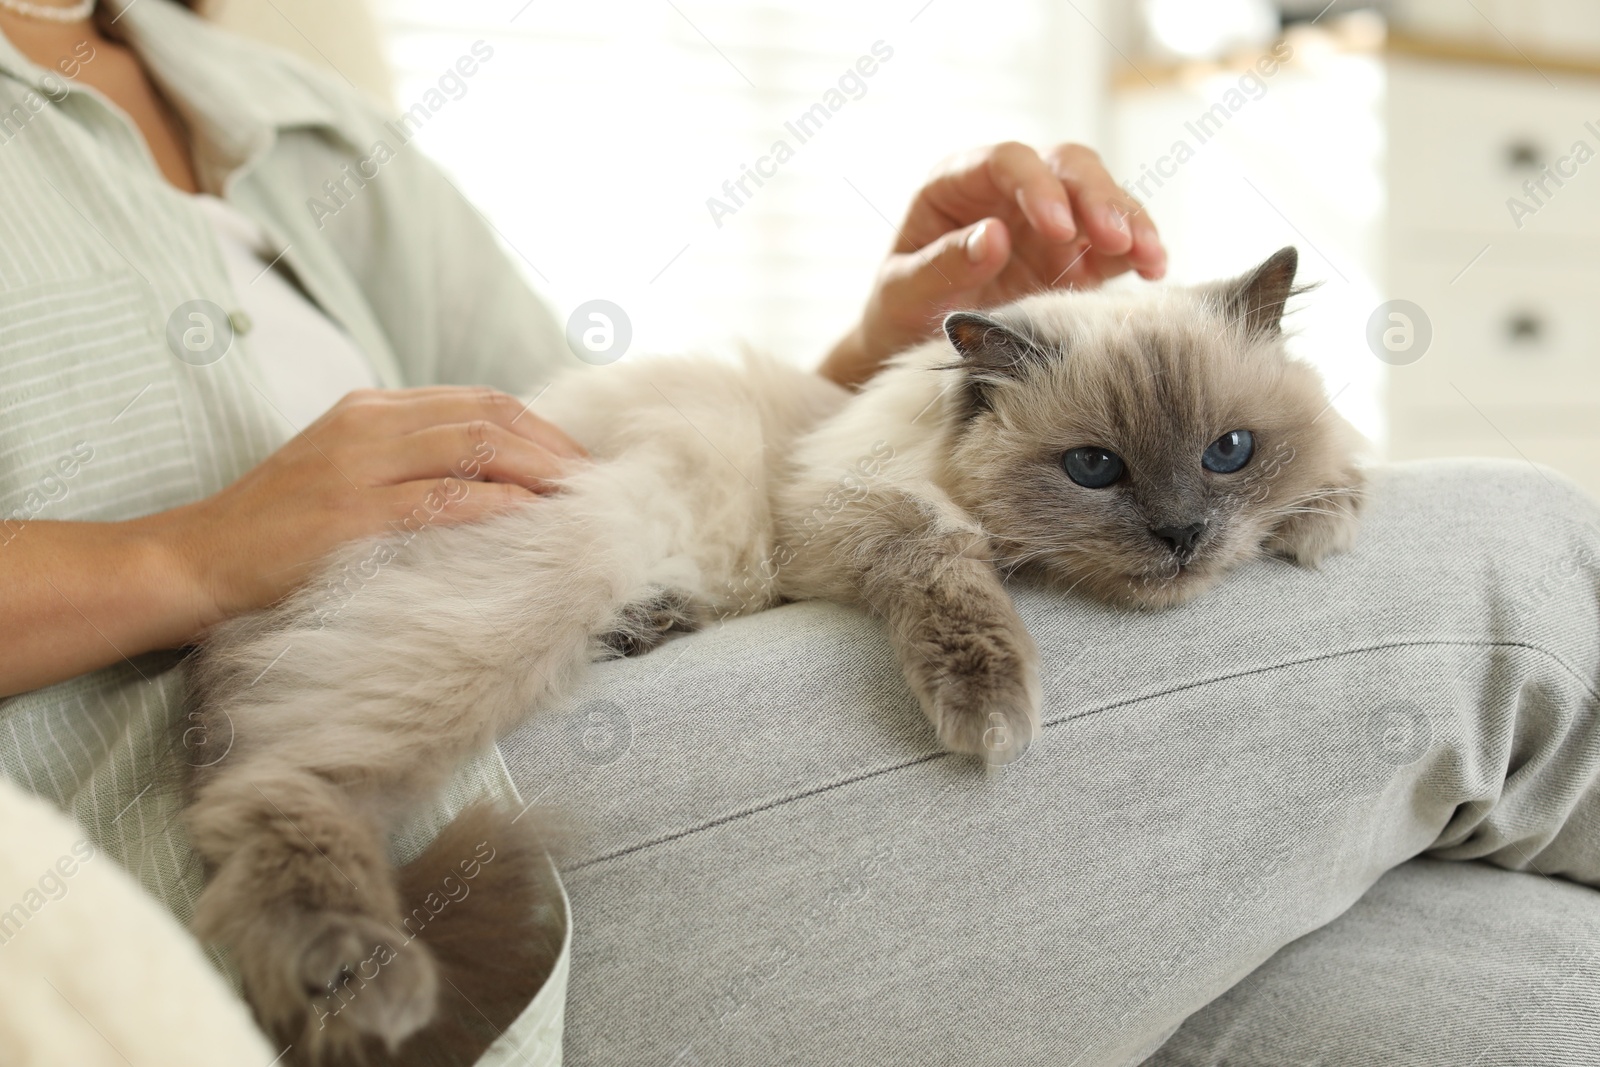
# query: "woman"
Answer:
x=207 y=387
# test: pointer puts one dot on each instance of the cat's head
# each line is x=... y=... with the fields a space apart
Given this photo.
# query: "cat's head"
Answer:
x=1138 y=445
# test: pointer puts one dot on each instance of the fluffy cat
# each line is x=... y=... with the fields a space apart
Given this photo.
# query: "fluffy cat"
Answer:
x=1131 y=445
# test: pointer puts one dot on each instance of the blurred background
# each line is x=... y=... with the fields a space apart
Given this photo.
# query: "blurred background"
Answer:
x=1431 y=158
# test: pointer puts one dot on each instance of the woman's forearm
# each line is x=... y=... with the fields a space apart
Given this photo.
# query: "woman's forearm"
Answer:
x=77 y=596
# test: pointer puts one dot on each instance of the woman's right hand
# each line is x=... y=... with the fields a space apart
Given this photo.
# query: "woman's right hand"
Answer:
x=80 y=595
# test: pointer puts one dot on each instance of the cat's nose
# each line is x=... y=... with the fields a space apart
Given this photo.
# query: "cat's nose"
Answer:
x=1182 y=539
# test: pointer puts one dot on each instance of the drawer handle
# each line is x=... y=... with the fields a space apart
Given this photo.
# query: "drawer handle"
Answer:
x=1525 y=328
x=1524 y=155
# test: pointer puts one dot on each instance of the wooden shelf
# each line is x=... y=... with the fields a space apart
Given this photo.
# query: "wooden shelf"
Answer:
x=1361 y=33
x=1363 y=37
x=1478 y=52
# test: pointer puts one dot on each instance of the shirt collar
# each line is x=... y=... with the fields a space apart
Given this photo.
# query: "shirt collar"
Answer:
x=233 y=95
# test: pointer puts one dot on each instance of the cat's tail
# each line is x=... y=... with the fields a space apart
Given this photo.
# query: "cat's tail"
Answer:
x=483 y=903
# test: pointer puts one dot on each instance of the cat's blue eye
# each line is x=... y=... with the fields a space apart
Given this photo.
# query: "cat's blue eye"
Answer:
x=1229 y=453
x=1092 y=468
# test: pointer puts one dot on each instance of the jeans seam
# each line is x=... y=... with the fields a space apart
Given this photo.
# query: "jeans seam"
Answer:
x=1324 y=656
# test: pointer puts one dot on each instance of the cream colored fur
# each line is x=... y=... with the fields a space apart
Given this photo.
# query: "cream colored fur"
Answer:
x=98 y=974
x=357 y=697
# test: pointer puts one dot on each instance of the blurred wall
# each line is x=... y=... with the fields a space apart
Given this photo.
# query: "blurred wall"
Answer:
x=1278 y=145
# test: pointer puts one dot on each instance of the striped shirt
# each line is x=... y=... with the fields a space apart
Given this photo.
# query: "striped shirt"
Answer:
x=105 y=415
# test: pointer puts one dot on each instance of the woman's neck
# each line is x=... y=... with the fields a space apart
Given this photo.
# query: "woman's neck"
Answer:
x=83 y=52
x=49 y=43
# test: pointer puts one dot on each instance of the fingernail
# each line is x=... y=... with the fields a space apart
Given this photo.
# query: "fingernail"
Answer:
x=1061 y=215
x=978 y=243
x=1118 y=221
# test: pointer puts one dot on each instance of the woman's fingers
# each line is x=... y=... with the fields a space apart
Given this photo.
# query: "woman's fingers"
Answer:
x=470 y=451
x=1007 y=180
x=377 y=462
x=379 y=413
x=1101 y=205
x=1022 y=176
x=1069 y=220
x=1114 y=221
x=946 y=273
x=412 y=506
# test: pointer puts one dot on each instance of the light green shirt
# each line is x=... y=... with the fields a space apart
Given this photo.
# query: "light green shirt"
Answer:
x=99 y=420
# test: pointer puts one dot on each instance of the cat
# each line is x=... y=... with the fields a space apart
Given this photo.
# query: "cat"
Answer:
x=1133 y=446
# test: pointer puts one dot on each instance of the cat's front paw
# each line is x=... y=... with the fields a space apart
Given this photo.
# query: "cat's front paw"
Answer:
x=645 y=624
x=1322 y=524
x=997 y=722
x=979 y=686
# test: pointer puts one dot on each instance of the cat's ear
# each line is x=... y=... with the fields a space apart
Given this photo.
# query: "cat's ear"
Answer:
x=1257 y=298
x=990 y=350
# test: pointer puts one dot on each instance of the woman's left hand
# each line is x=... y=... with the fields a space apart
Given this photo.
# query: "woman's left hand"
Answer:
x=990 y=226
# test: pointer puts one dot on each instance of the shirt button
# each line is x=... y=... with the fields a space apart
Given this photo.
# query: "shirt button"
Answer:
x=240 y=321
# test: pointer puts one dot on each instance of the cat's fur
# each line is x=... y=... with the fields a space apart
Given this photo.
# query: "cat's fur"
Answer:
x=718 y=491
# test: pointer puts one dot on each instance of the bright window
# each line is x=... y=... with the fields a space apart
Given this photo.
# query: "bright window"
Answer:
x=595 y=135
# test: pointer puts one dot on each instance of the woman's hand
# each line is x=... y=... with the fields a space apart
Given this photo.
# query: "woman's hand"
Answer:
x=377 y=461
x=990 y=226
x=80 y=595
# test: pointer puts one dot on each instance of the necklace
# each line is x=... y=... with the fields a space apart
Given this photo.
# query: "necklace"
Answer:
x=49 y=12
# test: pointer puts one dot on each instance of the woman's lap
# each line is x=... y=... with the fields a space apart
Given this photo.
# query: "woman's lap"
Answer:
x=775 y=864
x=1440 y=964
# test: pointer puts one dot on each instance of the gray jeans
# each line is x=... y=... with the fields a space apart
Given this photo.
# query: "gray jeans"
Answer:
x=775 y=864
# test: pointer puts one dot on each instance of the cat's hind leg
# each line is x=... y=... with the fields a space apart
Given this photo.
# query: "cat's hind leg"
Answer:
x=306 y=899
x=346 y=718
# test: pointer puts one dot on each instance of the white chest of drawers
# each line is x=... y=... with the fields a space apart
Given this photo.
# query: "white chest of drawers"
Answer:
x=1493 y=229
